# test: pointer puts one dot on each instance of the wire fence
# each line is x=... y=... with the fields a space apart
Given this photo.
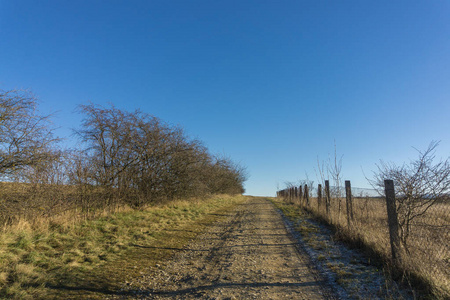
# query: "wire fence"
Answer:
x=416 y=242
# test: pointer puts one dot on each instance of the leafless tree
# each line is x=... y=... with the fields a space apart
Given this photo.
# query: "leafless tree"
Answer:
x=25 y=135
x=334 y=168
x=309 y=183
x=419 y=185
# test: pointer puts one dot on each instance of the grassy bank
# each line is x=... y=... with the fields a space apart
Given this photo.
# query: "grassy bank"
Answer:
x=93 y=258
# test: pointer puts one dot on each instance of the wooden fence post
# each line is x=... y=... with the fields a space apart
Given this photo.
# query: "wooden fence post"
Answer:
x=348 y=195
x=319 y=197
x=300 y=191
x=327 y=200
x=307 y=195
x=392 y=220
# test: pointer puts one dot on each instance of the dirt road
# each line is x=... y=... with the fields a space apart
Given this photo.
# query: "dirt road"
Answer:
x=248 y=254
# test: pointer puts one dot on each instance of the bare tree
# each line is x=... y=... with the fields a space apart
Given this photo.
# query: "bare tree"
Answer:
x=308 y=182
x=334 y=168
x=331 y=168
x=419 y=185
x=25 y=135
x=107 y=133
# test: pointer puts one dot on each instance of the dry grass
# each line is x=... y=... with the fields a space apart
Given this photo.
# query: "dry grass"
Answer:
x=59 y=254
x=427 y=257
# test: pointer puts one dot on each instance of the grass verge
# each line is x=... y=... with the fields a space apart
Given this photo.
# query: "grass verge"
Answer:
x=93 y=258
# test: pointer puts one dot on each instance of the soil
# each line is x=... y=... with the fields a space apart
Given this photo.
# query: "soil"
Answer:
x=247 y=254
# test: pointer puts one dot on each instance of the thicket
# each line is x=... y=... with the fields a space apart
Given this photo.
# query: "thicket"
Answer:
x=123 y=159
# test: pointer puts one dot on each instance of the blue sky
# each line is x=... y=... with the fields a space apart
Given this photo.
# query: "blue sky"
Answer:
x=272 y=84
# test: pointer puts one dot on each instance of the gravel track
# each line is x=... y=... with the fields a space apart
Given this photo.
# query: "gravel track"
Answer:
x=247 y=254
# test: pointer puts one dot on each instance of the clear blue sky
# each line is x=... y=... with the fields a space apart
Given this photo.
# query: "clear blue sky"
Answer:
x=272 y=84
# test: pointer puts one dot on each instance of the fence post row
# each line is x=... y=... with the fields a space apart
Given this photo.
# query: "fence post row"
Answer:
x=301 y=193
x=392 y=220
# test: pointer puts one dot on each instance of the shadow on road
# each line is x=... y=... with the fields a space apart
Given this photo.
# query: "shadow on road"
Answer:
x=203 y=288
